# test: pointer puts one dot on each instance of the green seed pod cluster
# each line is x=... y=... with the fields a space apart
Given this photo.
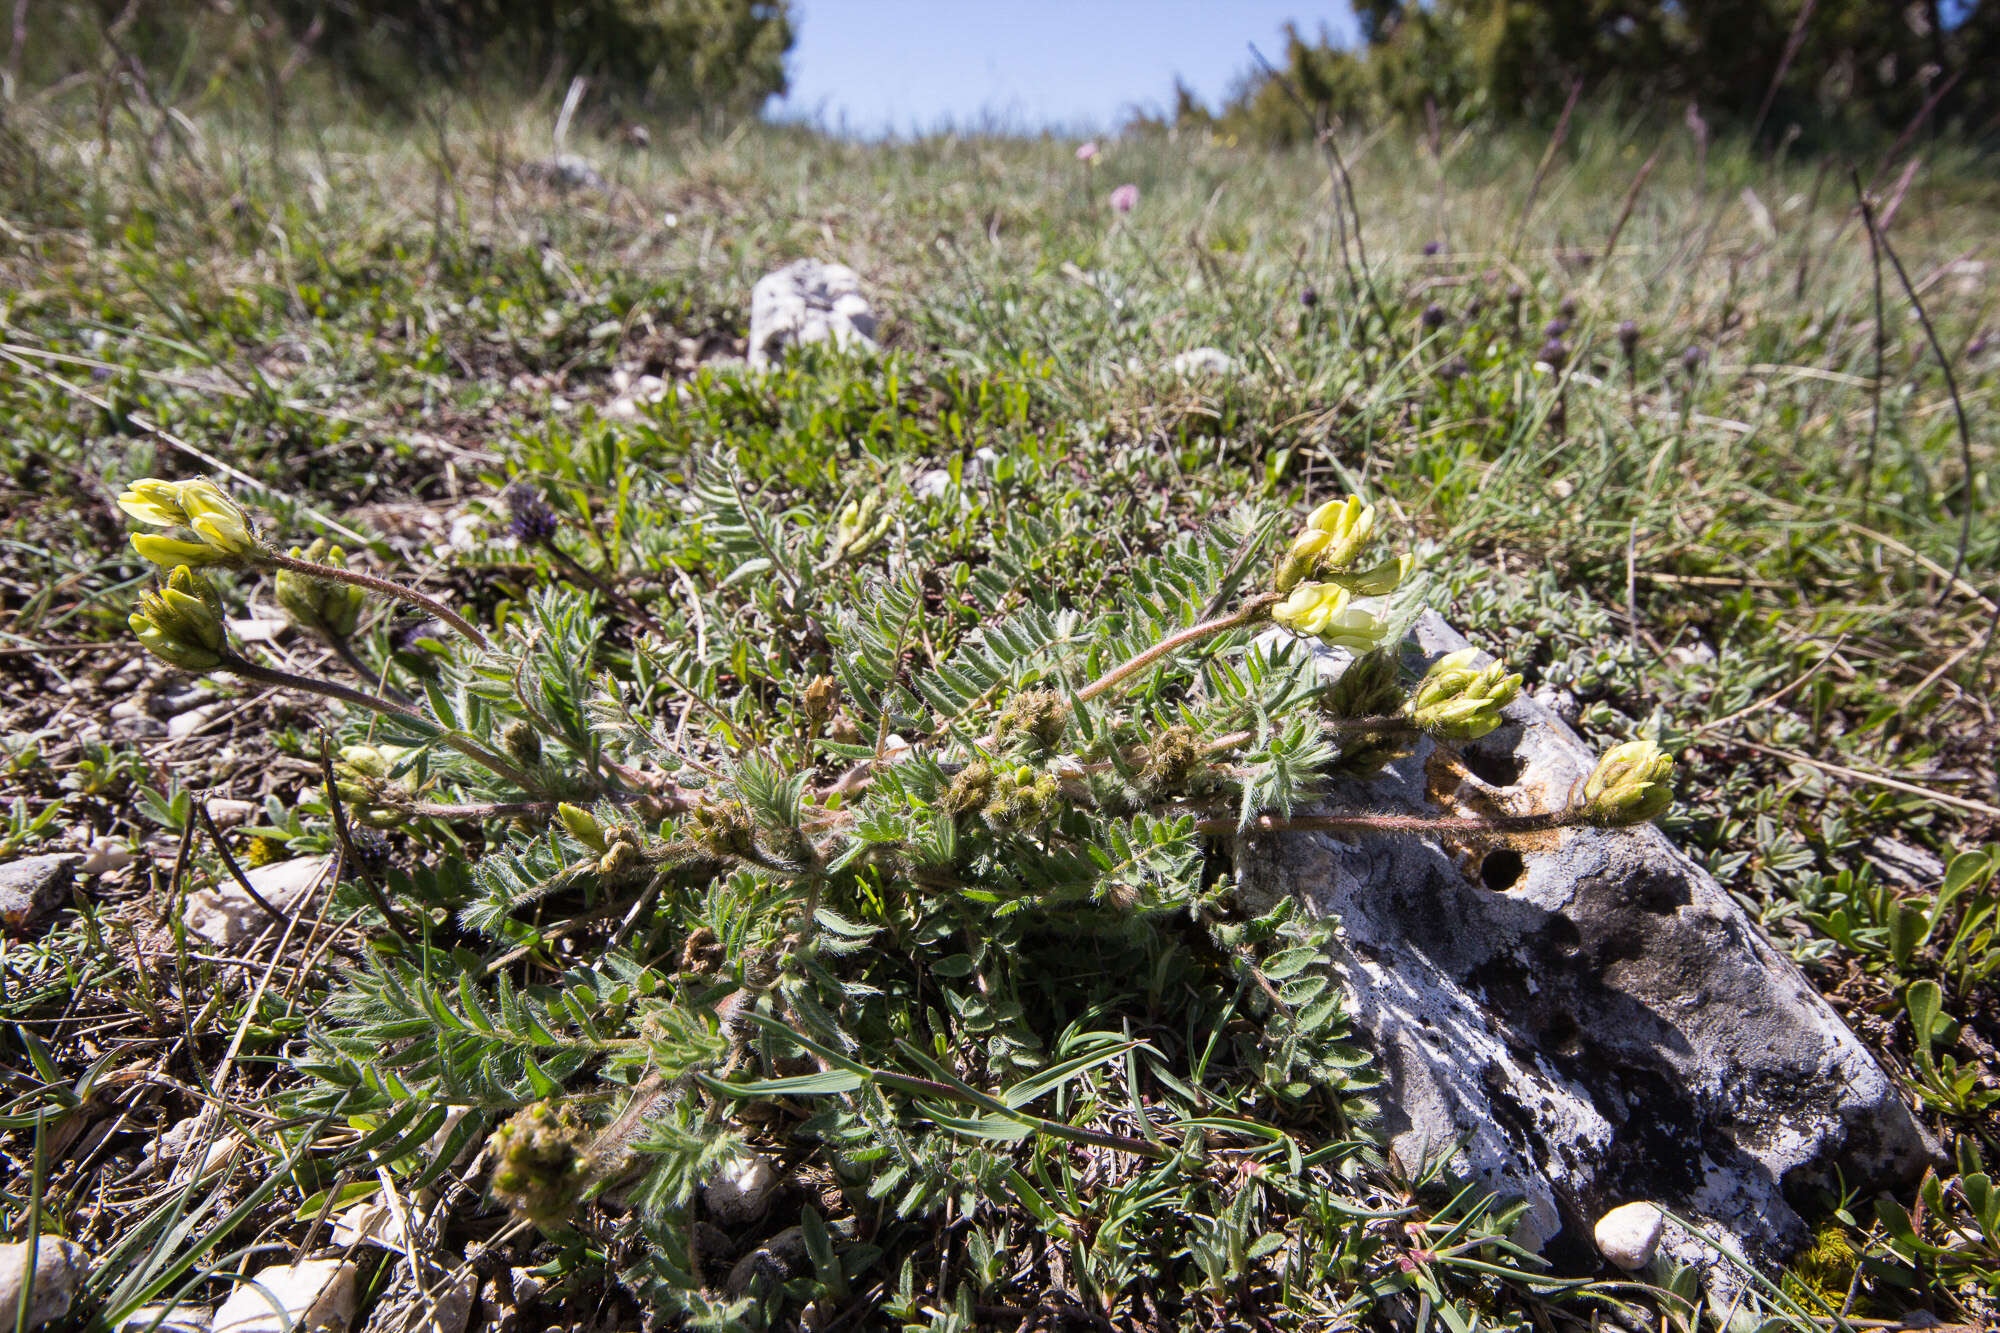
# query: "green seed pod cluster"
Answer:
x=1367 y=688
x=971 y=787
x=621 y=860
x=1171 y=761
x=361 y=777
x=1039 y=716
x=1020 y=797
x=538 y=1161
x=723 y=829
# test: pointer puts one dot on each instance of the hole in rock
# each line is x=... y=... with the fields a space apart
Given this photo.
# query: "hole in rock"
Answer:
x=1498 y=768
x=1501 y=869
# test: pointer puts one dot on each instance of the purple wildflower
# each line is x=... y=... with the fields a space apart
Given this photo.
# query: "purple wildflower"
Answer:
x=529 y=517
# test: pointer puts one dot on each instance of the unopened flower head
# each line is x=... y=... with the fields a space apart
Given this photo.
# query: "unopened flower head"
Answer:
x=859 y=528
x=221 y=530
x=529 y=516
x=1461 y=701
x=1630 y=785
x=182 y=622
x=320 y=606
x=1326 y=612
x=1124 y=199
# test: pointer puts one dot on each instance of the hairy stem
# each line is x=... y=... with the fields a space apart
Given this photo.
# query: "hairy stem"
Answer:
x=1241 y=616
x=385 y=587
x=471 y=749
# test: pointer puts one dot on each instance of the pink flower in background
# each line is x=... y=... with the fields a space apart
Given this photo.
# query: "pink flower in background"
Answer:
x=1086 y=150
x=1124 y=199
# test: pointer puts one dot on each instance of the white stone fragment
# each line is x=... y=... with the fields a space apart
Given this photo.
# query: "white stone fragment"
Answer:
x=317 y=1294
x=1204 y=361
x=167 y=1319
x=1629 y=1234
x=741 y=1191
x=104 y=855
x=808 y=302
x=226 y=915
x=182 y=725
x=60 y=1266
x=258 y=629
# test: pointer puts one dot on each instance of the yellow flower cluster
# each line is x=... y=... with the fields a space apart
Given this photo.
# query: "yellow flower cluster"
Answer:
x=1319 y=575
x=221 y=529
x=1326 y=612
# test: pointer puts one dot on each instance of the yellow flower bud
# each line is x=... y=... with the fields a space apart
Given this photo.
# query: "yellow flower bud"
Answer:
x=1351 y=525
x=1629 y=785
x=583 y=826
x=172 y=551
x=1298 y=562
x=182 y=622
x=1460 y=701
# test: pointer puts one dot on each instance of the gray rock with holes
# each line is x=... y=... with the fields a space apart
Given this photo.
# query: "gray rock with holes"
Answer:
x=1587 y=1019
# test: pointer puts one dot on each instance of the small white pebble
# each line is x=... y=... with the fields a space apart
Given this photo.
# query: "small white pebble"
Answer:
x=1628 y=1235
x=741 y=1191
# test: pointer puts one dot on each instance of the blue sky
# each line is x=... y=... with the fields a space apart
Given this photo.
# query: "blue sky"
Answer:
x=872 y=66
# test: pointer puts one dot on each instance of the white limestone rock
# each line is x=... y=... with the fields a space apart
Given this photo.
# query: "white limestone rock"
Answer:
x=1629 y=1235
x=1201 y=361
x=808 y=302
x=59 y=1268
x=313 y=1296
x=225 y=915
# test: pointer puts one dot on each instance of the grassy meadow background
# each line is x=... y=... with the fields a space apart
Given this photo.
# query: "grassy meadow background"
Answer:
x=1765 y=536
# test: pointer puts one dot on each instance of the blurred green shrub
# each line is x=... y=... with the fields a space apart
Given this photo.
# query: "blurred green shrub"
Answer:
x=665 y=56
x=1853 y=65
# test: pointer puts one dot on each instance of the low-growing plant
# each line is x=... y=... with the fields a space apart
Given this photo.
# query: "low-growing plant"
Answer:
x=856 y=855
